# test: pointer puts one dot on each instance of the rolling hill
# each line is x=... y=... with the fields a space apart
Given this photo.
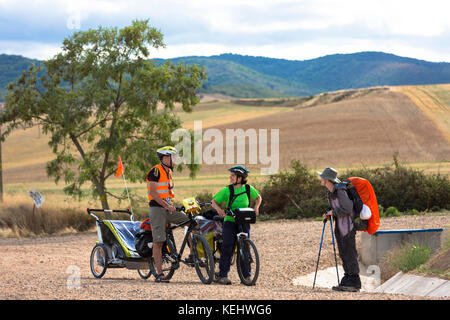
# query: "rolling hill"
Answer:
x=249 y=77
x=12 y=67
x=352 y=128
x=341 y=129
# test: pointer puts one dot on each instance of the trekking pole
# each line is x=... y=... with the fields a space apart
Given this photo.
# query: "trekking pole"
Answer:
x=334 y=249
x=320 y=249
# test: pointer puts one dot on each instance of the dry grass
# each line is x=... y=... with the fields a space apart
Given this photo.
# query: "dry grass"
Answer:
x=216 y=113
x=25 y=148
x=362 y=131
x=434 y=101
x=19 y=218
x=342 y=129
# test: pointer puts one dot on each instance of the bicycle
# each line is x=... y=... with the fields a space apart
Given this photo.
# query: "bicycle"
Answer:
x=245 y=254
x=171 y=258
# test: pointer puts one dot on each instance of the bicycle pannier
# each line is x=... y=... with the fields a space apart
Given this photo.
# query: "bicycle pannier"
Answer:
x=245 y=215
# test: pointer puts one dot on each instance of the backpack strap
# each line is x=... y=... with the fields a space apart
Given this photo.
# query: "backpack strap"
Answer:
x=353 y=194
x=234 y=196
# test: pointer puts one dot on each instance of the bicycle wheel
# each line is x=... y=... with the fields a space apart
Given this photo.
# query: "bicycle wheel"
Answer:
x=247 y=262
x=146 y=273
x=204 y=260
x=98 y=260
x=169 y=263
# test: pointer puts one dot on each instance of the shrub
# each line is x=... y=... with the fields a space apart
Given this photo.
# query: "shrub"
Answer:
x=392 y=212
x=413 y=212
x=297 y=193
x=406 y=188
x=381 y=211
x=294 y=193
x=408 y=257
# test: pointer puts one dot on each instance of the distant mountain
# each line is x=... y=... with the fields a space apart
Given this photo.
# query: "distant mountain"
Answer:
x=328 y=73
x=11 y=68
x=248 y=76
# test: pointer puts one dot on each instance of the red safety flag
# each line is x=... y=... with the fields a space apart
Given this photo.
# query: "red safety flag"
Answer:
x=119 y=168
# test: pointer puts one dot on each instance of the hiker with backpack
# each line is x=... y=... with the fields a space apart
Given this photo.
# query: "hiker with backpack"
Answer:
x=342 y=211
x=237 y=195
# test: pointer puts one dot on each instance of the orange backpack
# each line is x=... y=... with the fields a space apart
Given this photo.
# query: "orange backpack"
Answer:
x=367 y=195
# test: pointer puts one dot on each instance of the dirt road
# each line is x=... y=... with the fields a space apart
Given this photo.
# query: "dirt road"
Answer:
x=42 y=268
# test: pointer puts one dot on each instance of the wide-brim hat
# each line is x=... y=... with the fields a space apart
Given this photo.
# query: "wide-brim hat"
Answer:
x=330 y=174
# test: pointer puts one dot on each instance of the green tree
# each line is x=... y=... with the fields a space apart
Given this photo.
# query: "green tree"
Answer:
x=99 y=98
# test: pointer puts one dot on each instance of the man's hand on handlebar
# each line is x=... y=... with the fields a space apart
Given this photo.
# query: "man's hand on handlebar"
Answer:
x=171 y=208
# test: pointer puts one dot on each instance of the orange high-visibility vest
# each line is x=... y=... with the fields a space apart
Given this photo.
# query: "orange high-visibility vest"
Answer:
x=164 y=185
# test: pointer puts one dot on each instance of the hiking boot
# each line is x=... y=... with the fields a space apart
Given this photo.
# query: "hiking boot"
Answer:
x=349 y=283
x=223 y=280
x=344 y=280
x=345 y=289
x=355 y=281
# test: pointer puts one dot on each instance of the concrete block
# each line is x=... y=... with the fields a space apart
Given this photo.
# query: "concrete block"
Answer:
x=441 y=291
x=420 y=286
x=390 y=282
x=374 y=247
x=413 y=285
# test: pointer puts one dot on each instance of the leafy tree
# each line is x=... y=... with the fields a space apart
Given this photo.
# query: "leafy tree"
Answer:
x=99 y=98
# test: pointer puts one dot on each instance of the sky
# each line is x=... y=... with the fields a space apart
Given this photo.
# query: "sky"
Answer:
x=285 y=29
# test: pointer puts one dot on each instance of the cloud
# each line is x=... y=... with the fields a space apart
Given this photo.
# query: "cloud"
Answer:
x=30 y=49
x=276 y=27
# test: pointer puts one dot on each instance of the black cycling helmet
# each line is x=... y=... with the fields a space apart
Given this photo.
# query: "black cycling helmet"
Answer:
x=240 y=171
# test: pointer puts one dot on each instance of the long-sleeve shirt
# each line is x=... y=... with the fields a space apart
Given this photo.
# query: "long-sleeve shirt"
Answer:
x=342 y=208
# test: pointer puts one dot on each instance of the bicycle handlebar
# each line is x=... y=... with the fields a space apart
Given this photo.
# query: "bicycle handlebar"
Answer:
x=230 y=212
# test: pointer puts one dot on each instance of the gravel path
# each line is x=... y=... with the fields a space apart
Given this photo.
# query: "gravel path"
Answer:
x=40 y=268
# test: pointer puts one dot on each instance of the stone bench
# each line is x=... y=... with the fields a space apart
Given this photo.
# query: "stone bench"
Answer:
x=374 y=247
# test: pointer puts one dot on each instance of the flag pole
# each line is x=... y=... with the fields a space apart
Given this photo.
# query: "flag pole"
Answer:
x=126 y=187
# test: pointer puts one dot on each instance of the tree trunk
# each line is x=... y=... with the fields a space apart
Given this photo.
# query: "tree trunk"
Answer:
x=103 y=198
x=99 y=186
x=1 y=172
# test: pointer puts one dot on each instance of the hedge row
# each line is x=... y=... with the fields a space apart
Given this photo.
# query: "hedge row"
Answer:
x=297 y=193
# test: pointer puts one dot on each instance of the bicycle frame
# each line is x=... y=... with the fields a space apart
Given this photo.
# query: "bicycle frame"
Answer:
x=241 y=234
x=243 y=251
x=201 y=263
x=191 y=227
